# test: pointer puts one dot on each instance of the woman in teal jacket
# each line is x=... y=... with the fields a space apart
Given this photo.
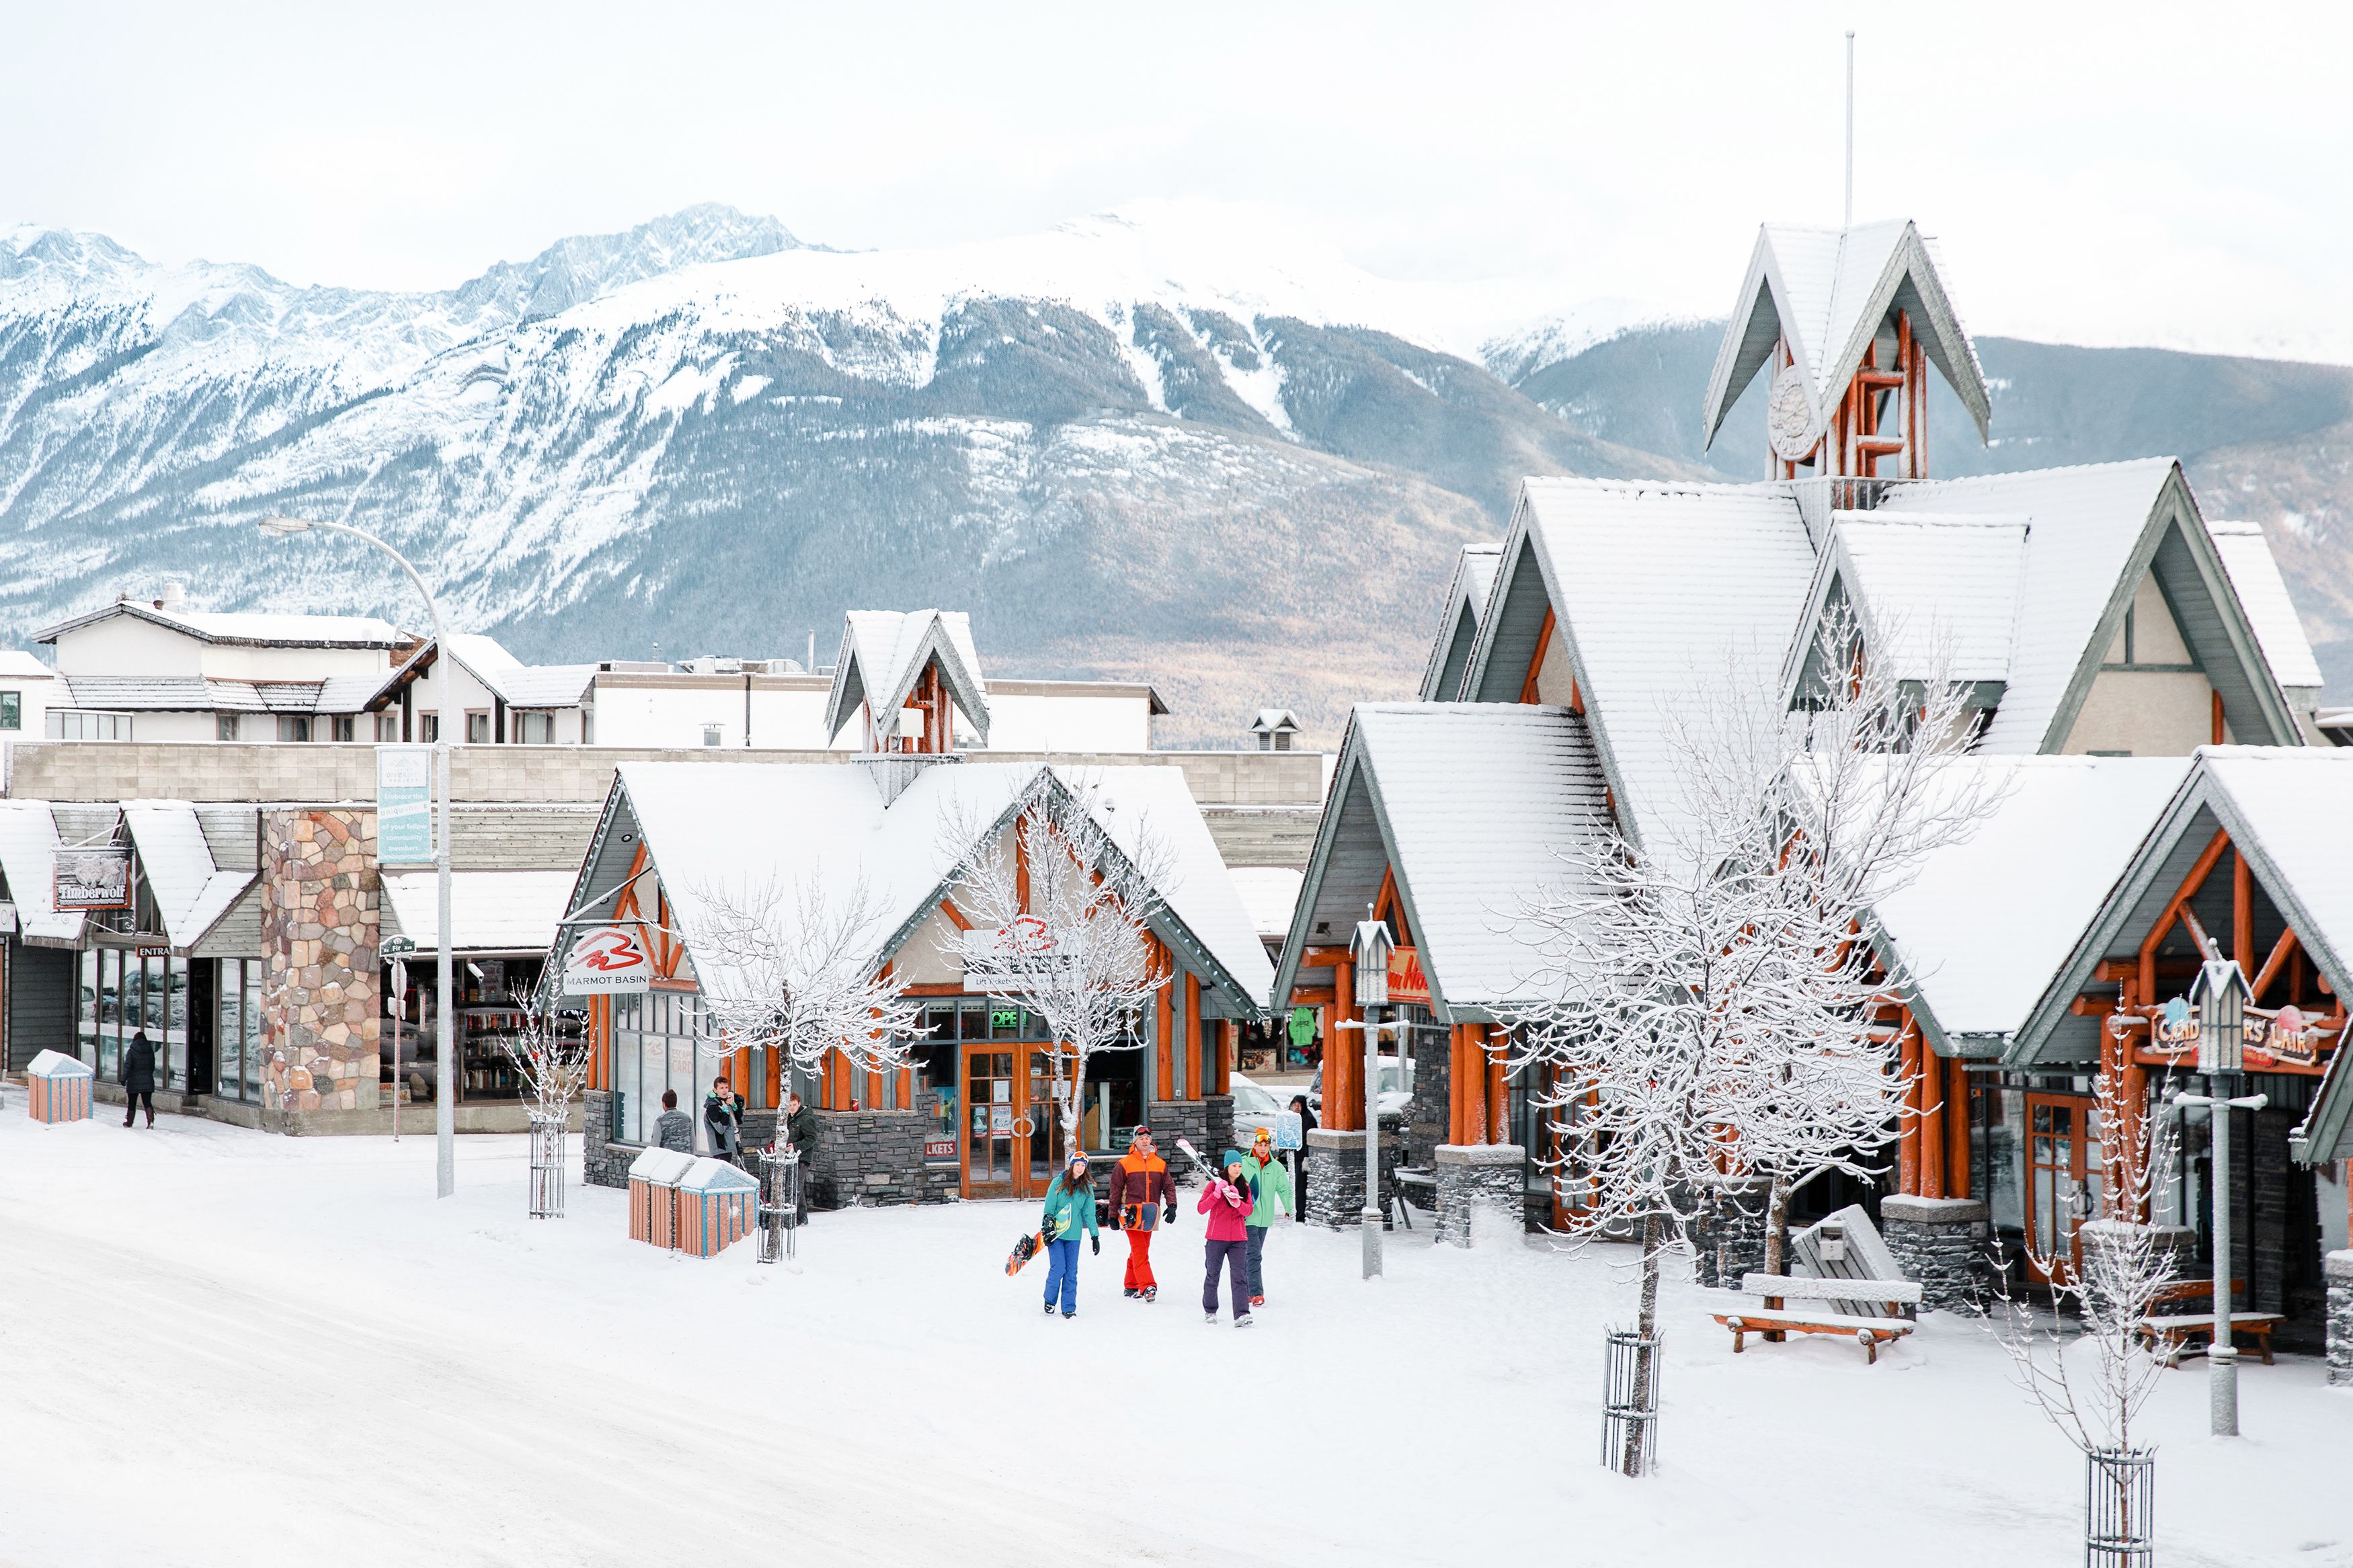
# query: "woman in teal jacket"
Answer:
x=1070 y=1209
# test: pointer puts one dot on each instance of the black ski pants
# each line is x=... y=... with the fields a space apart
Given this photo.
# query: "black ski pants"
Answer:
x=1234 y=1258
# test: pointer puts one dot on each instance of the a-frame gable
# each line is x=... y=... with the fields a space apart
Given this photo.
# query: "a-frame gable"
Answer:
x=885 y=691
x=2175 y=547
x=1511 y=634
x=1467 y=596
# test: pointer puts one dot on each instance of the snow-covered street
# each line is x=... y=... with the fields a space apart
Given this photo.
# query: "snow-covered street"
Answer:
x=220 y=1346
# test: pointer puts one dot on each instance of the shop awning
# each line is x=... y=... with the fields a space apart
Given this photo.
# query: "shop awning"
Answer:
x=491 y=911
x=190 y=891
x=28 y=848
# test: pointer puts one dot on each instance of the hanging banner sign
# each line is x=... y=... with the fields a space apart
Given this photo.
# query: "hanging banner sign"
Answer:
x=1406 y=982
x=610 y=960
x=97 y=879
x=403 y=805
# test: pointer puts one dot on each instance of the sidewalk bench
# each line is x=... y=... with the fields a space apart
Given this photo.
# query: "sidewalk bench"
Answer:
x=2175 y=1332
x=1774 y=1321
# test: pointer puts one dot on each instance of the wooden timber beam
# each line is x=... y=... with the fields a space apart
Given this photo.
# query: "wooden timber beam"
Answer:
x=1535 y=663
x=2174 y=909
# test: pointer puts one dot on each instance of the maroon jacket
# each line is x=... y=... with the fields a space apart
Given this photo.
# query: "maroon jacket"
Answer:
x=1139 y=1187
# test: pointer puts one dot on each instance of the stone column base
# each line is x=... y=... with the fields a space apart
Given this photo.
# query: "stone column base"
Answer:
x=1941 y=1243
x=1730 y=1236
x=1472 y=1176
x=602 y=1164
x=1336 y=1178
x=2337 y=1268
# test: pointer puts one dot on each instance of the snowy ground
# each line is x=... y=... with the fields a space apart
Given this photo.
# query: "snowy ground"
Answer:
x=226 y=1347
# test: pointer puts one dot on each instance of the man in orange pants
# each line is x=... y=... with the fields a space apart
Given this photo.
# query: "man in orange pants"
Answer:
x=1142 y=1197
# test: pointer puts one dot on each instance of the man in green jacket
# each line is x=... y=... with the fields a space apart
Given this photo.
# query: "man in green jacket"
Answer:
x=1271 y=1195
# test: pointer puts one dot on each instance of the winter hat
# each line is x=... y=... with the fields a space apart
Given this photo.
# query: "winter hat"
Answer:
x=1140 y=1134
x=1233 y=1157
x=1265 y=1135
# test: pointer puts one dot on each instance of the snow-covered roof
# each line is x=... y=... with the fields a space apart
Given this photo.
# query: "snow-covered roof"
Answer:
x=1469 y=804
x=1274 y=720
x=1475 y=566
x=15 y=664
x=1917 y=580
x=484 y=657
x=1985 y=922
x=1658 y=586
x=2262 y=593
x=1270 y=893
x=191 y=892
x=210 y=694
x=884 y=653
x=489 y=912
x=248 y=629
x=1825 y=291
x=29 y=846
x=55 y=1065
x=713 y=833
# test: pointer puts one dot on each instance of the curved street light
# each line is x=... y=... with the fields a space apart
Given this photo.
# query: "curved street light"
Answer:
x=444 y=1104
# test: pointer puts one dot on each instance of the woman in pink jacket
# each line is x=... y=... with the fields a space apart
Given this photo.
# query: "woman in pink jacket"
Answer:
x=1227 y=1203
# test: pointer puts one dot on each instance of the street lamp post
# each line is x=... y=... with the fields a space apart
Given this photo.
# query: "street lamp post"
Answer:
x=1370 y=951
x=2219 y=994
x=445 y=1103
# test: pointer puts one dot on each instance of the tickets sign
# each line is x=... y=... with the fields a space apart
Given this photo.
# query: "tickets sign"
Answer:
x=610 y=960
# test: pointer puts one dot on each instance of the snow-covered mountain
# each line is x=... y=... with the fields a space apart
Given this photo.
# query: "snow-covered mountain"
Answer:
x=1157 y=443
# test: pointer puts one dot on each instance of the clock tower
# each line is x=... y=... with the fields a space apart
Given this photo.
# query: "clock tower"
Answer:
x=1848 y=322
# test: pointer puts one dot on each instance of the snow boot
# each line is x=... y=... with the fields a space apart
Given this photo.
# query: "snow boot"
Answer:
x=1050 y=1309
x=1152 y=1292
x=1211 y=1319
x=1132 y=1293
x=1244 y=1321
x=1258 y=1301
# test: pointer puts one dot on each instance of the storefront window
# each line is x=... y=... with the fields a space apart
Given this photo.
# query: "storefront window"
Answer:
x=661 y=1040
x=228 y=1029
x=252 y=1026
x=86 y=1028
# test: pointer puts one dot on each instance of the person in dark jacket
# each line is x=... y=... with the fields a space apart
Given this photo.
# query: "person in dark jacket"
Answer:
x=674 y=1130
x=722 y=1114
x=1142 y=1199
x=800 y=1131
x=1299 y=1156
x=137 y=1078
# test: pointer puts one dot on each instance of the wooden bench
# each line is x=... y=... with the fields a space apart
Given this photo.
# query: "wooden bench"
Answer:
x=1773 y=1320
x=2174 y=1330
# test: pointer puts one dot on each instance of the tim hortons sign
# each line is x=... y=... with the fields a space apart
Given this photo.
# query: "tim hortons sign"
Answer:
x=610 y=960
x=1406 y=982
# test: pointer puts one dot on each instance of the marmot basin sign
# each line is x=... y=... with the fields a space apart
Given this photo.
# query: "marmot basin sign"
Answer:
x=608 y=961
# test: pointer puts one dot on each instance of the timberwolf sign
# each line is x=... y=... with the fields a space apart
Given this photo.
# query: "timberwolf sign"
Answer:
x=93 y=878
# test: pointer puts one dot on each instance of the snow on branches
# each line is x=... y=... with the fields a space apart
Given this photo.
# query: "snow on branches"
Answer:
x=794 y=970
x=1061 y=920
x=1713 y=1012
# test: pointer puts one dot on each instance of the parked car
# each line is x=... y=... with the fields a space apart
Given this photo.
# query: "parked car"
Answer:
x=1395 y=1088
x=1255 y=1106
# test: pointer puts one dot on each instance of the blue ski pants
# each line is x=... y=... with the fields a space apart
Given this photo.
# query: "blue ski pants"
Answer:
x=1257 y=1261
x=1062 y=1274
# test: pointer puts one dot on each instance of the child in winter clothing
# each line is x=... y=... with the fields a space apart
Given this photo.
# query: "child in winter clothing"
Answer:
x=1142 y=1197
x=1272 y=1183
x=1070 y=1209
x=1228 y=1203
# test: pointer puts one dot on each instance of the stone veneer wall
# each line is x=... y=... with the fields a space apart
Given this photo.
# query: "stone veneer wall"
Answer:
x=1473 y=1175
x=603 y=1163
x=1941 y=1243
x=1730 y=1237
x=2338 y=1269
x=875 y=1157
x=1188 y=1119
x=1336 y=1178
x=323 y=1000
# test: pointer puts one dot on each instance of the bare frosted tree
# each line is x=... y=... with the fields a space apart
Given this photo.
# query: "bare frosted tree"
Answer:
x=2090 y=1381
x=1062 y=924
x=1710 y=1000
x=553 y=1067
x=793 y=970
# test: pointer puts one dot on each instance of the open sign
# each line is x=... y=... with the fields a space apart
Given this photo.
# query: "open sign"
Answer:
x=610 y=960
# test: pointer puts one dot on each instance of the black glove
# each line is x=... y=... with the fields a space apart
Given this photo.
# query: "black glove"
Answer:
x=1095 y=1243
x=1168 y=1212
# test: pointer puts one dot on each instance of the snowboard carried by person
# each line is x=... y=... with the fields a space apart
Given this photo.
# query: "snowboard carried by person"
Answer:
x=1027 y=1247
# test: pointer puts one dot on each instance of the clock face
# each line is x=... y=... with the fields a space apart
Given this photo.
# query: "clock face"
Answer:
x=1789 y=417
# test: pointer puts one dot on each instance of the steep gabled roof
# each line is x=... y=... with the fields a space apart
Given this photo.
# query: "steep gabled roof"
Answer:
x=884 y=653
x=1470 y=804
x=1918 y=583
x=2093 y=532
x=28 y=848
x=2262 y=593
x=1983 y=925
x=1458 y=628
x=245 y=628
x=1657 y=589
x=191 y=892
x=1826 y=292
x=2284 y=808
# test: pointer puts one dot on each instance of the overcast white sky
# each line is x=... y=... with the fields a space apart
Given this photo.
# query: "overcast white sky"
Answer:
x=2131 y=173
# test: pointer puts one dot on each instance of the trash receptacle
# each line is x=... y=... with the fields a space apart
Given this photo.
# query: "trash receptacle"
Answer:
x=653 y=1196
x=57 y=1088
x=715 y=1201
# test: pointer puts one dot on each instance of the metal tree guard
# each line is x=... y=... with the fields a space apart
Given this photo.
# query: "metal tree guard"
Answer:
x=2119 y=1508
x=780 y=1198
x=1630 y=1402
x=547 y=1165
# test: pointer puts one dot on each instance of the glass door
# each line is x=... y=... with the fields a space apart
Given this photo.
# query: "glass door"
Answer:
x=1043 y=1119
x=2062 y=1179
x=989 y=1139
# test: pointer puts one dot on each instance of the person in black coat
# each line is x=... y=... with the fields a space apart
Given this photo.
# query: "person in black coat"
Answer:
x=1299 y=1157
x=138 y=1077
x=722 y=1118
x=800 y=1131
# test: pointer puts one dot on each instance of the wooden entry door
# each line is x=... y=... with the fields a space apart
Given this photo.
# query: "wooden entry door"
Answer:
x=2062 y=1179
x=996 y=1160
